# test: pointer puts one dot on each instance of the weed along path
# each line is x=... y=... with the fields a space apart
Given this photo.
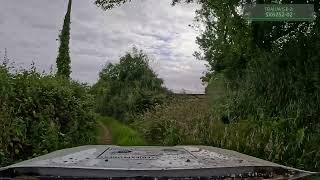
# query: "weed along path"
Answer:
x=104 y=137
x=111 y=131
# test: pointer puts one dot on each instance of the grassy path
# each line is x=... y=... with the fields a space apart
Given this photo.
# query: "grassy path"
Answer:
x=111 y=131
x=104 y=136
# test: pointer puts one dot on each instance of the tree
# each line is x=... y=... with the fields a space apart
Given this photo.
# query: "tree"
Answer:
x=109 y=4
x=63 y=59
x=130 y=87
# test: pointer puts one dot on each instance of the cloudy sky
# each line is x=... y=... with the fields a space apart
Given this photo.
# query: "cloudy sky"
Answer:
x=29 y=29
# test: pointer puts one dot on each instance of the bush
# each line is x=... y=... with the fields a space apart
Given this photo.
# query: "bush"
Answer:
x=40 y=113
x=269 y=139
x=128 y=88
x=206 y=121
x=284 y=88
x=178 y=122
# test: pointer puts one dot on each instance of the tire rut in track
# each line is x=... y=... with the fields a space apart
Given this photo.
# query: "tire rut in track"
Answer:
x=104 y=137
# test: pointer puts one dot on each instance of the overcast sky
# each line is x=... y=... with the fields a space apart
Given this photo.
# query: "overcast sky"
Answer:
x=29 y=29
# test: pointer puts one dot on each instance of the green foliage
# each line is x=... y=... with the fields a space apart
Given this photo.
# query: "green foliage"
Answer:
x=109 y=4
x=275 y=139
x=40 y=113
x=270 y=72
x=273 y=73
x=63 y=59
x=229 y=42
x=122 y=134
x=272 y=67
x=128 y=88
x=267 y=140
x=177 y=122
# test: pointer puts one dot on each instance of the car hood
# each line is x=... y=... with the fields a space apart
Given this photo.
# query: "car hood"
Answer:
x=100 y=161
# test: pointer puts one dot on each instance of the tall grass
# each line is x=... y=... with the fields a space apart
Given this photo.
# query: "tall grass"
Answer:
x=122 y=134
x=178 y=122
x=210 y=122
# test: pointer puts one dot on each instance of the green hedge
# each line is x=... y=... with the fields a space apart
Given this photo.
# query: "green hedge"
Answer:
x=41 y=113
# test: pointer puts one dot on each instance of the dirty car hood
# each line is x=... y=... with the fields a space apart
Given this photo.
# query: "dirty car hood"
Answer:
x=179 y=162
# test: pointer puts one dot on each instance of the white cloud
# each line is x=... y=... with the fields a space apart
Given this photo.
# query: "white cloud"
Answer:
x=97 y=37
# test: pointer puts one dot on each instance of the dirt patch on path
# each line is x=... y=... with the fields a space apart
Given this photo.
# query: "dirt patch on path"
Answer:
x=104 y=137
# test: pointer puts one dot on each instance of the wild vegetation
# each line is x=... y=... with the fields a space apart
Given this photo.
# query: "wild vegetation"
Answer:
x=262 y=98
x=122 y=134
x=40 y=113
x=128 y=88
x=204 y=122
x=270 y=71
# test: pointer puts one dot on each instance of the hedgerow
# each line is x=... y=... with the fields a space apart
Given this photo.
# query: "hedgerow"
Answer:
x=40 y=113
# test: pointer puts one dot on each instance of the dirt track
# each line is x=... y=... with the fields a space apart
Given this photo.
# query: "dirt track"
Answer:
x=104 y=137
